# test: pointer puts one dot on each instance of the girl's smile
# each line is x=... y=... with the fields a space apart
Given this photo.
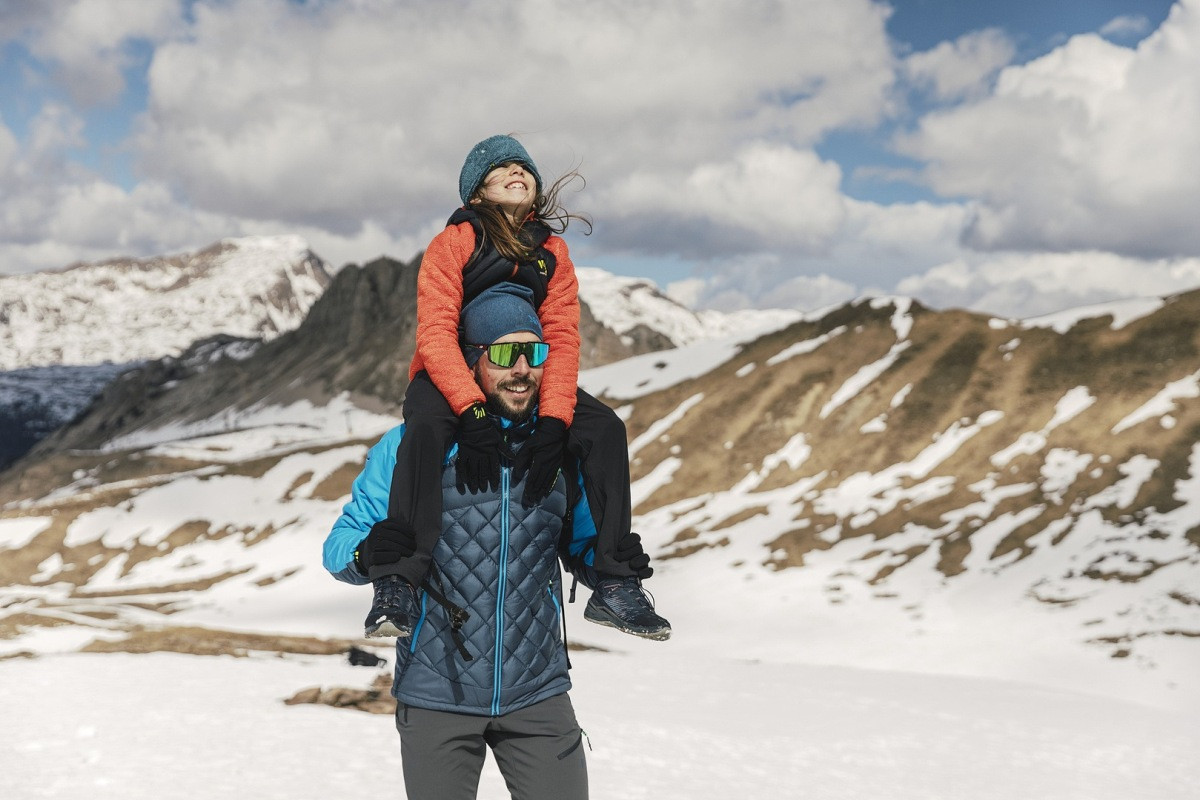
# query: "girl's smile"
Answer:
x=512 y=187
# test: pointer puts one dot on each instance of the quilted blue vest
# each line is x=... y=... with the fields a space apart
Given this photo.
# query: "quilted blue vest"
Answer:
x=498 y=561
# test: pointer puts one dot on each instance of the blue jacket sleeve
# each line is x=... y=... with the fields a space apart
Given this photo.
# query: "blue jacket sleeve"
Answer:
x=368 y=505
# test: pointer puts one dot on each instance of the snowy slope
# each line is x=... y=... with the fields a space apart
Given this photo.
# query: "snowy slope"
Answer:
x=1053 y=546
x=623 y=304
x=133 y=310
x=1054 y=540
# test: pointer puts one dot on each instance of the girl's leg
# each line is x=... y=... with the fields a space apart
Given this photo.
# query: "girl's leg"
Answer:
x=597 y=438
x=415 y=500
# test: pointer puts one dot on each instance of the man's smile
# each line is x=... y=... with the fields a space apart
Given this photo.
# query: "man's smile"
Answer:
x=515 y=387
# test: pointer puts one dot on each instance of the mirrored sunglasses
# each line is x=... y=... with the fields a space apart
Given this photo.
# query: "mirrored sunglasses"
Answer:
x=505 y=354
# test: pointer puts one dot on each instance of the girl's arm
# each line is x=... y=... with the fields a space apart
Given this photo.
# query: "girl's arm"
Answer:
x=559 y=315
x=439 y=307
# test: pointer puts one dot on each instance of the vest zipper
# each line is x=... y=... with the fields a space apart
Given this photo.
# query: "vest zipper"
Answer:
x=412 y=644
x=497 y=671
x=554 y=600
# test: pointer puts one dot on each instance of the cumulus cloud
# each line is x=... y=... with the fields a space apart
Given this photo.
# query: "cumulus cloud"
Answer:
x=1081 y=149
x=54 y=211
x=1021 y=285
x=963 y=67
x=1125 y=26
x=701 y=128
x=346 y=112
x=9 y=147
x=760 y=281
x=87 y=41
x=762 y=197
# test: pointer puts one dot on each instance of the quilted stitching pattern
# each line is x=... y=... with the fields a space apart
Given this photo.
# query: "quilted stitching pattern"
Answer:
x=469 y=554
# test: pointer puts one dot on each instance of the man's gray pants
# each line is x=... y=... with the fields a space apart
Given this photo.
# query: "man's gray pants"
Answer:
x=539 y=750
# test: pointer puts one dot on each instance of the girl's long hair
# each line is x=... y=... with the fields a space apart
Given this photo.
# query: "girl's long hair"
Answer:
x=547 y=209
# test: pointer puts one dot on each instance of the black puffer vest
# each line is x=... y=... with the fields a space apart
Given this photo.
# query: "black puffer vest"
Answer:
x=487 y=267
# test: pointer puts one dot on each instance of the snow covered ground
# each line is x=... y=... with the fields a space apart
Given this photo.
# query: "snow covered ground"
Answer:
x=92 y=727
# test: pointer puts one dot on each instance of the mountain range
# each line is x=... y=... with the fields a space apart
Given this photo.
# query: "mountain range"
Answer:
x=890 y=485
x=130 y=310
x=64 y=335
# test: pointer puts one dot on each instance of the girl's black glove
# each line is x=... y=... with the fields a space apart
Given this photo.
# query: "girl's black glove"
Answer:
x=477 y=467
x=387 y=543
x=541 y=457
x=629 y=551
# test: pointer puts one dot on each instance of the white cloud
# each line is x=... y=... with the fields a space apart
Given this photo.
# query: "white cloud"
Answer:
x=1081 y=149
x=1125 y=26
x=761 y=197
x=86 y=41
x=1021 y=285
x=699 y=127
x=963 y=67
x=366 y=244
x=362 y=111
x=9 y=147
x=903 y=235
x=761 y=281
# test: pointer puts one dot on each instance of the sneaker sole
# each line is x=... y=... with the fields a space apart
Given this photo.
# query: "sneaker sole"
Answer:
x=387 y=630
x=604 y=618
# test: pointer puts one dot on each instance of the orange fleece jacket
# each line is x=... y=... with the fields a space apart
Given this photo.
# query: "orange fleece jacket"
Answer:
x=439 y=307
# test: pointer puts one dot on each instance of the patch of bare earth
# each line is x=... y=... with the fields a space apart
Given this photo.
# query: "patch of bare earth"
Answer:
x=376 y=699
x=209 y=642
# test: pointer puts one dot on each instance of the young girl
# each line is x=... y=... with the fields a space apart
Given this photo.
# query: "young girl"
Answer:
x=506 y=230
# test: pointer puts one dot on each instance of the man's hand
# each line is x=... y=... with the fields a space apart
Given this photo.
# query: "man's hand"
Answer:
x=387 y=543
x=541 y=458
x=477 y=467
x=629 y=551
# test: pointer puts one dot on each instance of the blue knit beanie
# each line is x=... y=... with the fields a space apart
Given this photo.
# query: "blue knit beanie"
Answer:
x=498 y=311
x=489 y=153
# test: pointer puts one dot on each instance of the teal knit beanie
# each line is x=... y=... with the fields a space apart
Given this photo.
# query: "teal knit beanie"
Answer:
x=491 y=152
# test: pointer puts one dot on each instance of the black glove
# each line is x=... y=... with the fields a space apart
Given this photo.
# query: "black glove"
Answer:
x=629 y=551
x=477 y=467
x=541 y=458
x=388 y=542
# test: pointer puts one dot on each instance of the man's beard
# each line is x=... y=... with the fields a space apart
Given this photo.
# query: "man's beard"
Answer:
x=497 y=405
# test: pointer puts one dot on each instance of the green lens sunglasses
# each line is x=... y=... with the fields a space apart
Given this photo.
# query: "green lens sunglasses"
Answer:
x=505 y=354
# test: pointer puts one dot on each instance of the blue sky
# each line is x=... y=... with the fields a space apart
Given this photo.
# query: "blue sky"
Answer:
x=1035 y=25
x=1011 y=157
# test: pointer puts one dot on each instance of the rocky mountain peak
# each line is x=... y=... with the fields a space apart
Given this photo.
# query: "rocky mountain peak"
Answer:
x=130 y=310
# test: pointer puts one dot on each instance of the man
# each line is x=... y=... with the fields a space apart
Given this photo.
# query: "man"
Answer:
x=485 y=664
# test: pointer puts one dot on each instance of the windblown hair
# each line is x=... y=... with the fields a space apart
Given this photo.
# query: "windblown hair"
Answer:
x=547 y=209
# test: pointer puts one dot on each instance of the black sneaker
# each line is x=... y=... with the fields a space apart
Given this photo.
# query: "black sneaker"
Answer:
x=393 y=610
x=621 y=603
